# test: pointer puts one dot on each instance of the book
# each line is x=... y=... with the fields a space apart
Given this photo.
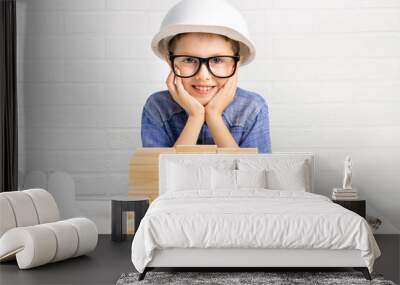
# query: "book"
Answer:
x=341 y=190
x=344 y=198
x=338 y=197
x=345 y=194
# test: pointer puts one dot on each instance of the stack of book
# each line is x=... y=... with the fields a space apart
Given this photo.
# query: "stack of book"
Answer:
x=344 y=194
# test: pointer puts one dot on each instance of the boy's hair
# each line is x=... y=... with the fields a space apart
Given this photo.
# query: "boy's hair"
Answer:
x=172 y=43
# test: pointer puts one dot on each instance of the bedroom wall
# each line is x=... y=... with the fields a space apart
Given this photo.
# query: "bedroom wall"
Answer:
x=329 y=70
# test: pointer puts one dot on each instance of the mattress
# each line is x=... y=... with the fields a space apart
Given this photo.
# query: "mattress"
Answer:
x=250 y=219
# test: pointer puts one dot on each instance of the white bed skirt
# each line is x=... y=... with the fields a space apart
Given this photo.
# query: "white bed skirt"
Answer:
x=196 y=257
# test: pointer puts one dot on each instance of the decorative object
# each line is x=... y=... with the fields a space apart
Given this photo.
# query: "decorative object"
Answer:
x=249 y=278
x=125 y=205
x=32 y=233
x=347 y=192
x=348 y=165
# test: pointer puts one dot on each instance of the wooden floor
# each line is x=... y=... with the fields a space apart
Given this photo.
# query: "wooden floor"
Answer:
x=111 y=259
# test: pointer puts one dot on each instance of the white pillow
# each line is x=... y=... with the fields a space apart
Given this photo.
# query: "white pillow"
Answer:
x=251 y=178
x=183 y=177
x=219 y=163
x=229 y=179
x=290 y=178
x=223 y=179
x=282 y=174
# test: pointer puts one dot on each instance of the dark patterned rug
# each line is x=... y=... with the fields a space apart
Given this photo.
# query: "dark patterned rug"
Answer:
x=269 y=278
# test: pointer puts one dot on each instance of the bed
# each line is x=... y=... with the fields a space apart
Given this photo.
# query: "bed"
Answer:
x=245 y=211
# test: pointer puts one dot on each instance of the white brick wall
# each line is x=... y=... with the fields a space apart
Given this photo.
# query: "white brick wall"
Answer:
x=329 y=70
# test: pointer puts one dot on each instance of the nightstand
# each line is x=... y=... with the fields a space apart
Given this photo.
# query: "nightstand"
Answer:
x=121 y=204
x=357 y=206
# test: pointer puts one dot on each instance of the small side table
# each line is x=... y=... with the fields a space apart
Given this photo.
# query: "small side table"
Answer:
x=120 y=204
x=357 y=206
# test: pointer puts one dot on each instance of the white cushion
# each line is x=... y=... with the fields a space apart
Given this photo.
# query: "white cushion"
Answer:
x=288 y=179
x=252 y=178
x=223 y=179
x=228 y=180
x=223 y=163
x=282 y=174
x=188 y=177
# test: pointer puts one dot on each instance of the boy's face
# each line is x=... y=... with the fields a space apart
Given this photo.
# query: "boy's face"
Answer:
x=203 y=45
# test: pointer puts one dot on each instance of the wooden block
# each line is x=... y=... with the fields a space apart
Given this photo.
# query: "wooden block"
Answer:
x=211 y=148
x=237 y=150
x=137 y=178
x=154 y=150
x=145 y=171
x=151 y=195
x=143 y=193
x=143 y=168
x=144 y=183
x=143 y=160
x=145 y=187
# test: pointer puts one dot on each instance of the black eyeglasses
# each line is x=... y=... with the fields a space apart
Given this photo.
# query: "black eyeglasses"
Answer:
x=221 y=66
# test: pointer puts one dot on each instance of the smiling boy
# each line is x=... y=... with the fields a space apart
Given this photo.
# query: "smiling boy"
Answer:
x=203 y=104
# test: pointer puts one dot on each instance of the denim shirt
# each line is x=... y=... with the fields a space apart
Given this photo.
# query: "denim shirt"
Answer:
x=246 y=117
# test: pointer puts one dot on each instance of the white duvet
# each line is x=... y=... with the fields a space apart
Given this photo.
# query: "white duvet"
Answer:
x=251 y=218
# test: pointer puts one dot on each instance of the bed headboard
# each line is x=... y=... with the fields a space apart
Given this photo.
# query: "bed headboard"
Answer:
x=212 y=159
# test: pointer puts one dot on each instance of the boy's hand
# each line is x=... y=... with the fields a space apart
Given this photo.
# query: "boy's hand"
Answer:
x=223 y=98
x=192 y=107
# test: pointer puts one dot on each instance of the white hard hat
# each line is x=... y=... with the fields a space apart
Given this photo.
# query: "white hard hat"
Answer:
x=204 y=16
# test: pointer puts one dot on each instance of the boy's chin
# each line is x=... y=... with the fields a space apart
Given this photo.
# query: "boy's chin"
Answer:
x=204 y=101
